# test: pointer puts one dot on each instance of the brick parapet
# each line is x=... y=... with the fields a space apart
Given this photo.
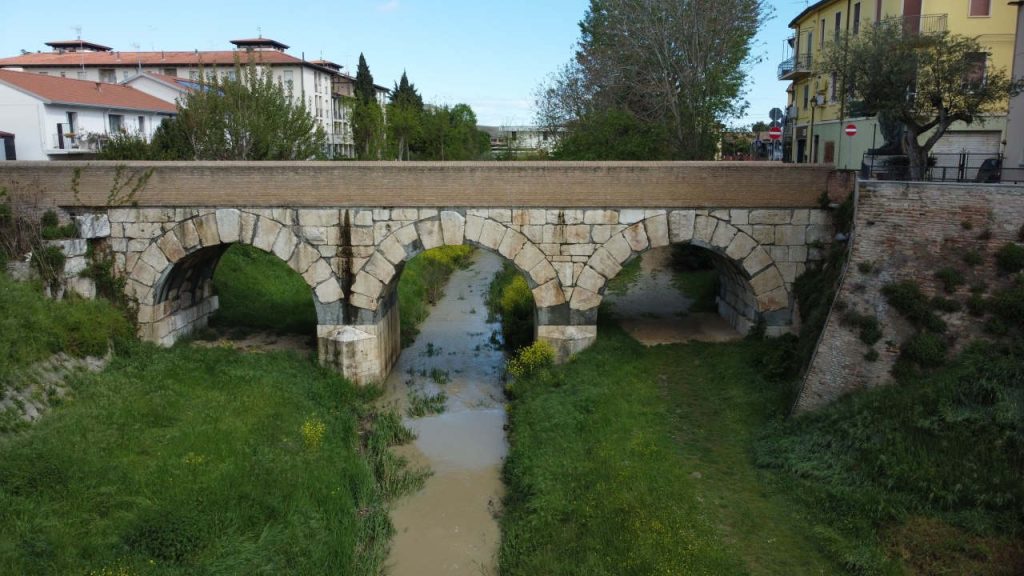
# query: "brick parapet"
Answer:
x=423 y=184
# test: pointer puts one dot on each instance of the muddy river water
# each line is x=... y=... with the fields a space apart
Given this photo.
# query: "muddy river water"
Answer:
x=450 y=526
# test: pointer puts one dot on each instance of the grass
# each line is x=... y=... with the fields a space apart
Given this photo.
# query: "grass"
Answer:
x=421 y=404
x=626 y=277
x=510 y=301
x=33 y=328
x=422 y=283
x=634 y=460
x=260 y=292
x=194 y=460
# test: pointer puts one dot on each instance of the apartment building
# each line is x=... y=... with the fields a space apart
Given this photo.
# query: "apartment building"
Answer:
x=818 y=114
x=317 y=83
x=54 y=118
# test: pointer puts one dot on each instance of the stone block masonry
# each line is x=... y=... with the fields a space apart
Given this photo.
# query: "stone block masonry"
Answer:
x=907 y=231
x=348 y=228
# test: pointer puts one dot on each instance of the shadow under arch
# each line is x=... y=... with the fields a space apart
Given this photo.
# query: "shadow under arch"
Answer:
x=172 y=278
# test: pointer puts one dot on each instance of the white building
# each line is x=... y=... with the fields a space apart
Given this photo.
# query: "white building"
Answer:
x=53 y=118
x=521 y=141
x=317 y=83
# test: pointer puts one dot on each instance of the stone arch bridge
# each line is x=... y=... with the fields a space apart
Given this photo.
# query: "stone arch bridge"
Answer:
x=348 y=228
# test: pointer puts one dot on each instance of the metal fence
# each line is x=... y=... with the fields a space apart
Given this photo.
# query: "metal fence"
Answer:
x=946 y=167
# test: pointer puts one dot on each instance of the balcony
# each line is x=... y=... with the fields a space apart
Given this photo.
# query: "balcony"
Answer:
x=922 y=24
x=70 y=143
x=796 y=68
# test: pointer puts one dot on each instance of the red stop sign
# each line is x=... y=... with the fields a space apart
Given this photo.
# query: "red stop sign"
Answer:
x=775 y=133
x=851 y=130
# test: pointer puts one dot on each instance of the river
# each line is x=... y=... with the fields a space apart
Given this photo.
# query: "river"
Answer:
x=450 y=527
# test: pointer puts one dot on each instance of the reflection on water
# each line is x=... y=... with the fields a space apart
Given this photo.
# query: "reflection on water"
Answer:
x=449 y=527
x=654 y=311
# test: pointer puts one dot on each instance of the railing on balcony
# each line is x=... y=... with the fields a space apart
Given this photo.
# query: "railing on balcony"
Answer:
x=797 y=66
x=922 y=24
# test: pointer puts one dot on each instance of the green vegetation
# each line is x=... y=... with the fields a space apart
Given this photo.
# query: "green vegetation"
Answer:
x=510 y=300
x=421 y=404
x=626 y=277
x=1010 y=258
x=193 y=460
x=634 y=460
x=422 y=284
x=260 y=292
x=868 y=327
x=32 y=328
x=906 y=297
x=951 y=279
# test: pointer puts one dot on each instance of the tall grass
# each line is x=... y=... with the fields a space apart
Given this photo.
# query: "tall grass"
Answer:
x=510 y=300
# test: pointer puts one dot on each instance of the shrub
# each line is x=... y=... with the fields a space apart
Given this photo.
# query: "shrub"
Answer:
x=966 y=224
x=871 y=355
x=951 y=279
x=1010 y=258
x=866 y=266
x=972 y=258
x=906 y=297
x=530 y=359
x=976 y=305
x=49 y=262
x=924 y=349
x=870 y=330
x=945 y=304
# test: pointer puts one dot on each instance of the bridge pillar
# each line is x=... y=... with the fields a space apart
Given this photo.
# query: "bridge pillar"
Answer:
x=365 y=350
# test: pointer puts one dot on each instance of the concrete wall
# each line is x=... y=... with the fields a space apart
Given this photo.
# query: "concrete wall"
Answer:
x=430 y=184
x=907 y=231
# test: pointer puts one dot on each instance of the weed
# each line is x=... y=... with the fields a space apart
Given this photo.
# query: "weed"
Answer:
x=870 y=331
x=313 y=430
x=925 y=349
x=1010 y=258
x=947 y=305
x=530 y=359
x=985 y=235
x=865 y=267
x=510 y=300
x=440 y=377
x=966 y=225
x=976 y=304
x=871 y=355
x=951 y=279
x=972 y=258
x=906 y=297
x=421 y=404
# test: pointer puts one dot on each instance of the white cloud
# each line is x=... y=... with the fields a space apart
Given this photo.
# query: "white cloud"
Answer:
x=389 y=6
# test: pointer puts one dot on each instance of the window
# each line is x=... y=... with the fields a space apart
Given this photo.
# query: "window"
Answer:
x=288 y=79
x=839 y=26
x=193 y=75
x=81 y=74
x=108 y=75
x=170 y=72
x=810 y=46
x=856 y=18
x=807 y=95
x=821 y=39
x=833 y=91
x=116 y=123
x=142 y=124
x=126 y=74
x=981 y=8
x=44 y=73
x=72 y=121
x=63 y=74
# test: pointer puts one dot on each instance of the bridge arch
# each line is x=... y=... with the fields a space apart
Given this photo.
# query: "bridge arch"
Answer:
x=753 y=287
x=368 y=346
x=171 y=279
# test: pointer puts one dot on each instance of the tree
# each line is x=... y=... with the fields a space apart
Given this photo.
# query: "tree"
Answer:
x=926 y=82
x=246 y=117
x=450 y=133
x=404 y=117
x=665 y=63
x=367 y=116
x=759 y=126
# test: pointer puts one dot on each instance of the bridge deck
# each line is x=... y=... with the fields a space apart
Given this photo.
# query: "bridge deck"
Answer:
x=423 y=184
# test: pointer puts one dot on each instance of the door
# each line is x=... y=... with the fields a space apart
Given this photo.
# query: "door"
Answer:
x=912 y=16
x=801 y=150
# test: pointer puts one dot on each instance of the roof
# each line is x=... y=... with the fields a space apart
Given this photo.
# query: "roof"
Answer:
x=811 y=8
x=78 y=44
x=161 y=58
x=180 y=84
x=326 y=64
x=260 y=42
x=5 y=134
x=55 y=90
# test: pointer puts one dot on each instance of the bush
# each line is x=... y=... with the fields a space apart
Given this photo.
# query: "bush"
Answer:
x=925 y=349
x=869 y=329
x=49 y=262
x=906 y=297
x=530 y=359
x=125 y=146
x=509 y=299
x=1010 y=258
x=945 y=304
x=951 y=279
x=972 y=258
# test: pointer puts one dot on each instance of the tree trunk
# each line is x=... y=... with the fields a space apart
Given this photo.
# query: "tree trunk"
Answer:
x=917 y=154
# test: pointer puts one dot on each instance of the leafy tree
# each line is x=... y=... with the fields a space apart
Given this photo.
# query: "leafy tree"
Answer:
x=926 y=82
x=125 y=146
x=367 y=116
x=614 y=135
x=170 y=142
x=404 y=117
x=759 y=126
x=665 y=63
x=450 y=133
x=248 y=117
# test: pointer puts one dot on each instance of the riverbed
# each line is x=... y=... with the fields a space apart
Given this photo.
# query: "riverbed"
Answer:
x=450 y=527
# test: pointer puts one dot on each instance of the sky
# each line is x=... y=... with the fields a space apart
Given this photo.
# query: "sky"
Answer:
x=490 y=54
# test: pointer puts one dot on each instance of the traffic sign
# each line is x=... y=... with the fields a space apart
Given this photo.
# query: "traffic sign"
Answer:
x=775 y=114
x=851 y=130
x=775 y=133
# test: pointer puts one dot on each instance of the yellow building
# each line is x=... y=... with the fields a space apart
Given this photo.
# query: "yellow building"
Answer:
x=817 y=114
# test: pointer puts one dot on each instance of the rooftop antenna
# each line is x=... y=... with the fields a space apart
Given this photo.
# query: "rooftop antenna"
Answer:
x=138 y=56
x=259 y=30
x=78 y=31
